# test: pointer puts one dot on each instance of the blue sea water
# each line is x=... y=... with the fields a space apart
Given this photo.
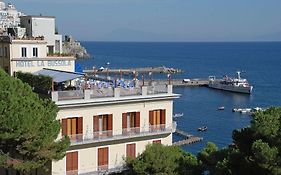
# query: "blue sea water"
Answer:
x=261 y=62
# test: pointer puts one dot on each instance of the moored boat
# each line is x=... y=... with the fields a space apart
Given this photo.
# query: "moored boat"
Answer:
x=231 y=84
x=203 y=128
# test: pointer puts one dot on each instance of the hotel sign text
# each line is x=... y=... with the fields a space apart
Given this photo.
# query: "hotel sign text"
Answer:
x=53 y=63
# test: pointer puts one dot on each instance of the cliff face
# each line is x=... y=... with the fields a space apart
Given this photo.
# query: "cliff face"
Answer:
x=73 y=47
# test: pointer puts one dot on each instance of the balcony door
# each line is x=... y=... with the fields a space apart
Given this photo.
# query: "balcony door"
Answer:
x=157 y=119
x=102 y=125
x=72 y=163
x=131 y=122
x=73 y=127
x=102 y=158
x=131 y=150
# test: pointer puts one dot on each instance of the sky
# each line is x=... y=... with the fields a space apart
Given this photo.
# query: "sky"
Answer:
x=162 y=20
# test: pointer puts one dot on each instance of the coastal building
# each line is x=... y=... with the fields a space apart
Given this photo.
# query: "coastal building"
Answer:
x=106 y=125
x=9 y=16
x=30 y=55
x=37 y=26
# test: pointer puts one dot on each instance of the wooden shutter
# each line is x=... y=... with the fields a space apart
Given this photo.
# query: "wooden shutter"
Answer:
x=80 y=125
x=124 y=120
x=75 y=160
x=163 y=116
x=151 y=117
x=137 y=119
x=69 y=162
x=131 y=150
x=96 y=123
x=64 y=127
x=72 y=161
x=102 y=156
x=73 y=126
x=109 y=122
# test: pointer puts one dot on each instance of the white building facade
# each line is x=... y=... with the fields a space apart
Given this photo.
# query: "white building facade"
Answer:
x=9 y=16
x=30 y=55
x=37 y=26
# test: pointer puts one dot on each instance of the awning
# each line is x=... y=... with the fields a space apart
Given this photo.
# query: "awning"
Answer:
x=59 y=75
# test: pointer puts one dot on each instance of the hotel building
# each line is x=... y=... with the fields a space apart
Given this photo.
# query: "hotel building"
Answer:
x=30 y=55
x=107 y=125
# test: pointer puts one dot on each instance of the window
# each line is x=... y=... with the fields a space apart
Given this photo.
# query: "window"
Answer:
x=23 y=52
x=72 y=163
x=35 y=52
x=157 y=119
x=102 y=158
x=73 y=127
x=131 y=150
x=5 y=52
x=131 y=122
x=156 y=142
x=102 y=125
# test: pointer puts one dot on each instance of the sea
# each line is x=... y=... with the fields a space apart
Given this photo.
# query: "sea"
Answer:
x=260 y=63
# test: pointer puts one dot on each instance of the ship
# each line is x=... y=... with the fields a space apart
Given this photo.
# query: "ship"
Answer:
x=231 y=84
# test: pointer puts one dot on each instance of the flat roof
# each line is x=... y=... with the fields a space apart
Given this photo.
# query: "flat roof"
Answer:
x=37 y=16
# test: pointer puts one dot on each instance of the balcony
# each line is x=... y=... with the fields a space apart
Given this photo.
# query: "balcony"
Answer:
x=101 y=136
x=110 y=92
x=97 y=170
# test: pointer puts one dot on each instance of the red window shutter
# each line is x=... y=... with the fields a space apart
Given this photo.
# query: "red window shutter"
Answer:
x=100 y=156
x=163 y=116
x=109 y=122
x=151 y=117
x=75 y=160
x=64 y=127
x=131 y=150
x=69 y=161
x=80 y=125
x=96 y=123
x=124 y=120
x=137 y=119
x=105 y=160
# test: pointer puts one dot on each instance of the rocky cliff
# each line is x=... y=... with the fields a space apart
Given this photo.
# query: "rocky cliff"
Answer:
x=73 y=47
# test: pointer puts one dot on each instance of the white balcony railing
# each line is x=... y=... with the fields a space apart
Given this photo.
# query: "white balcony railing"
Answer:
x=95 y=170
x=111 y=92
x=110 y=135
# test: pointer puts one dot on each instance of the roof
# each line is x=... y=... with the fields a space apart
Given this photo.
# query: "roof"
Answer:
x=59 y=75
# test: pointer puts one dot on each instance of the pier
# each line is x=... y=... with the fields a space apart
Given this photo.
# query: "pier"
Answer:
x=144 y=70
x=188 y=138
x=179 y=82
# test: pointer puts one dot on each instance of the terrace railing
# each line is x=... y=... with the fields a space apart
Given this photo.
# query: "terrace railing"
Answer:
x=109 y=135
x=95 y=93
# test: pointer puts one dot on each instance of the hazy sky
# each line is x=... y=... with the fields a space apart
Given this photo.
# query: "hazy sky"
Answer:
x=162 y=20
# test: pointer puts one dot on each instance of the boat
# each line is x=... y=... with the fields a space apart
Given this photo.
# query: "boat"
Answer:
x=177 y=115
x=231 y=84
x=221 y=108
x=203 y=128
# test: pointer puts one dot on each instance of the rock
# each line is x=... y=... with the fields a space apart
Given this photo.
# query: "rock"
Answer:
x=73 y=47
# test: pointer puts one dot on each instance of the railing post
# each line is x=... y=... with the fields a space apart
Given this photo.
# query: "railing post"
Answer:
x=87 y=94
x=144 y=90
x=116 y=92
x=55 y=96
x=170 y=89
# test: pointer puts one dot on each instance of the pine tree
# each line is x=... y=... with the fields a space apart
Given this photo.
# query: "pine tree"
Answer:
x=28 y=127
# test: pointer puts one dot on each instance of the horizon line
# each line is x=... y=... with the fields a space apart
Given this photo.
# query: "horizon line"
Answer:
x=181 y=41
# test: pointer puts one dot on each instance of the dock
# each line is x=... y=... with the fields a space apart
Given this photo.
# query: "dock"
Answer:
x=188 y=138
x=179 y=82
x=144 y=70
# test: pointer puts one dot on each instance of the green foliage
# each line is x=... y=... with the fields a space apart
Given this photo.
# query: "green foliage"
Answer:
x=28 y=127
x=35 y=81
x=256 y=149
x=164 y=160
